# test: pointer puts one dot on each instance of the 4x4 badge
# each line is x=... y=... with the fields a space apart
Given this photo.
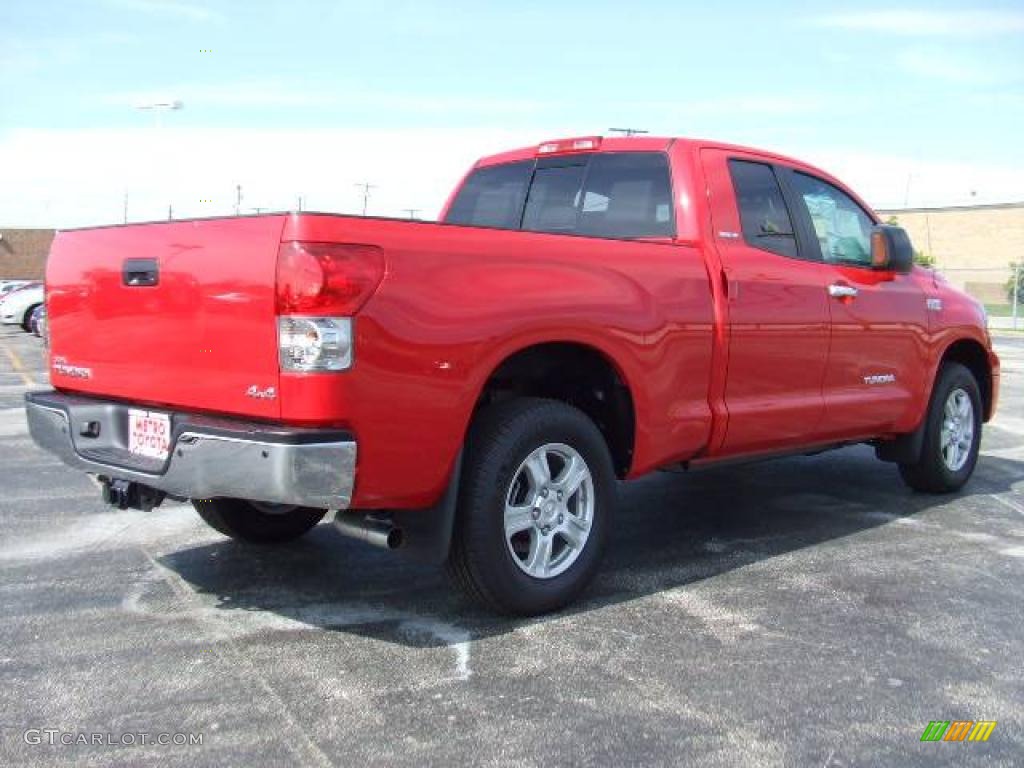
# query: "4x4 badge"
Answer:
x=261 y=394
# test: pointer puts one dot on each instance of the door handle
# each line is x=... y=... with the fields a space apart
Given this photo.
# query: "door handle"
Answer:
x=138 y=273
x=839 y=291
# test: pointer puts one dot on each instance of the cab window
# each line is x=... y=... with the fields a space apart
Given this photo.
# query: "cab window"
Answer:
x=841 y=226
x=609 y=195
x=763 y=214
x=492 y=196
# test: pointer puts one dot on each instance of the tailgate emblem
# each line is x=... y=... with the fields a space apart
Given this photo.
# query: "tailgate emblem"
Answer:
x=261 y=394
x=60 y=365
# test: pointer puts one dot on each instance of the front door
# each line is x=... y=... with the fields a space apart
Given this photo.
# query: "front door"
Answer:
x=877 y=362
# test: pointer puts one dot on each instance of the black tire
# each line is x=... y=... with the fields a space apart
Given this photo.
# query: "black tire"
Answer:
x=931 y=474
x=26 y=320
x=499 y=441
x=243 y=521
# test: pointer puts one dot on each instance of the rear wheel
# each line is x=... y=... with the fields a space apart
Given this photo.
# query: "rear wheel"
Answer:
x=257 y=522
x=535 y=506
x=952 y=434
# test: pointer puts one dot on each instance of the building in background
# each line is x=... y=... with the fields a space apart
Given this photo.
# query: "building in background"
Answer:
x=23 y=252
x=973 y=246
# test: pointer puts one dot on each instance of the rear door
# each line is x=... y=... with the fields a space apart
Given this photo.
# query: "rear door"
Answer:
x=878 y=358
x=778 y=311
x=178 y=314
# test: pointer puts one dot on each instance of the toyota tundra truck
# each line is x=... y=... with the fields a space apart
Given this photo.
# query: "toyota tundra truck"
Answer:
x=472 y=391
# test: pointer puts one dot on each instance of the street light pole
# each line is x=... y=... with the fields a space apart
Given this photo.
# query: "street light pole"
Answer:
x=157 y=108
x=1016 y=292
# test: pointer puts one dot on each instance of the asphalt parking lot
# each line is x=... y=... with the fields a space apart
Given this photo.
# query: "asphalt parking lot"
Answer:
x=808 y=611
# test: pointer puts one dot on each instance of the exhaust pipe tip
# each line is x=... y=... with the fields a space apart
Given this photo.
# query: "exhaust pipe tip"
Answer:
x=373 y=530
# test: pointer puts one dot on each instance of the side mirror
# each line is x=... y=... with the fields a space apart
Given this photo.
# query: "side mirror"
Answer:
x=891 y=249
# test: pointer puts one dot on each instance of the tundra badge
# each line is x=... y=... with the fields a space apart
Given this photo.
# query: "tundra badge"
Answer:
x=61 y=366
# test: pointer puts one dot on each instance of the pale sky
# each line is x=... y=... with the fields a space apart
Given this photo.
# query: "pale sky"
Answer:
x=919 y=103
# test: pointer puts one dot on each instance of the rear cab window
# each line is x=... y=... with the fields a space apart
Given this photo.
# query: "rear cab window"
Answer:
x=625 y=195
x=492 y=196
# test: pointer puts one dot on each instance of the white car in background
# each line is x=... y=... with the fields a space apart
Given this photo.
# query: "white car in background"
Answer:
x=16 y=306
x=6 y=286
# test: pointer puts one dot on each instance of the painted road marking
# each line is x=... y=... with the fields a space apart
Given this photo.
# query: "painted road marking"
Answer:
x=17 y=365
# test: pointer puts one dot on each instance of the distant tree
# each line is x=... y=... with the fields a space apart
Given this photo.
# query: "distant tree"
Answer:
x=923 y=259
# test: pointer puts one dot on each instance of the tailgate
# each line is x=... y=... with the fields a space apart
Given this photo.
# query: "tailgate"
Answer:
x=202 y=336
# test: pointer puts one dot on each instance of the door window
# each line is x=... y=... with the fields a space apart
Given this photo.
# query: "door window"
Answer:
x=842 y=228
x=763 y=213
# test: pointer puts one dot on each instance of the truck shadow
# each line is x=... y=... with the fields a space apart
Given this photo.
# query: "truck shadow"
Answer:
x=671 y=531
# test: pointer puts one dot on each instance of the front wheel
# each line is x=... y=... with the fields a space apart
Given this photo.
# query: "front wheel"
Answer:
x=952 y=434
x=535 y=506
x=257 y=522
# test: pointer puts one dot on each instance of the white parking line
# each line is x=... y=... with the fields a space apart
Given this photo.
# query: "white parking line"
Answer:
x=1007 y=503
x=12 y=422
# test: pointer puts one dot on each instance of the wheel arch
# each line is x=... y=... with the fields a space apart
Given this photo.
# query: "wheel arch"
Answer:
x=972 y=355
x=574 y=372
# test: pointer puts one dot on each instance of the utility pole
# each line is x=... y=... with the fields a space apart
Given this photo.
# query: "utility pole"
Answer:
x=412 y=212
x=300 y=202
x=238 y=199
x=1016 y=292
x=627 y=132
x=125 y=207
x=366 y=187
x=170 y=212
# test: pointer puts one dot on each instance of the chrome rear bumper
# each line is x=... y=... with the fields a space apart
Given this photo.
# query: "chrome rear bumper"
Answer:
x=209 y=457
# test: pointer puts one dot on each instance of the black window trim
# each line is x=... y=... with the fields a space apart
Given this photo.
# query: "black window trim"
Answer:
x=803 y=252
x=806 y=225
x=584 y=158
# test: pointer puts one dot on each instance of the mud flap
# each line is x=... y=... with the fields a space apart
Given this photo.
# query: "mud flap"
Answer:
x=905 y=449
x=427 y=533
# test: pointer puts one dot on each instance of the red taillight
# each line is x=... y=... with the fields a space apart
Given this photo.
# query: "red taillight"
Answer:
x=326 y=279
x=562 y=146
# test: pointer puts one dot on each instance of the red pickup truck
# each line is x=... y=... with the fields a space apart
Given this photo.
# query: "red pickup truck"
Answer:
x=470 y=391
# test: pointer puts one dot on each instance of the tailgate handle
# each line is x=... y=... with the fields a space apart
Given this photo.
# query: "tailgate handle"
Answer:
x=140 y=272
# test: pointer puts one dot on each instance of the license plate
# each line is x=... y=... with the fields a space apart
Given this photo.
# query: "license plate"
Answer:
x=149 y=434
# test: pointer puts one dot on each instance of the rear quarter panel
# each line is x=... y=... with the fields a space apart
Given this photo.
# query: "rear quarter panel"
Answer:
x=457 y=301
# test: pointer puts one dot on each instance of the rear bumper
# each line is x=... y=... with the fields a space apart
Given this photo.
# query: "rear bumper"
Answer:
x=209 y=457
